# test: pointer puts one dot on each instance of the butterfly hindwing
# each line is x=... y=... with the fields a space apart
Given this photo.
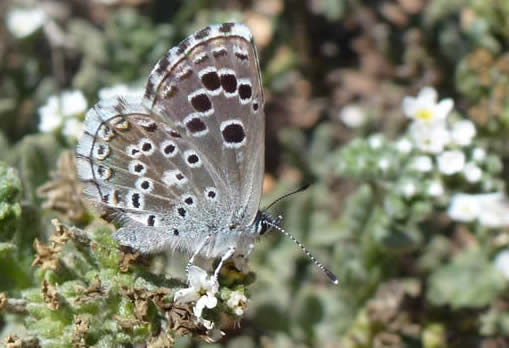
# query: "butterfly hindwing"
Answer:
x=132 y=166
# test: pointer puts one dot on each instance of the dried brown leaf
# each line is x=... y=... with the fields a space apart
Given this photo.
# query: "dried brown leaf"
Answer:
x=50 y=295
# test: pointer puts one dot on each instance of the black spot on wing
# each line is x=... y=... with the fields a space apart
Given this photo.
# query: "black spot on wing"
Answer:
x=234 y=133
x=229 y=82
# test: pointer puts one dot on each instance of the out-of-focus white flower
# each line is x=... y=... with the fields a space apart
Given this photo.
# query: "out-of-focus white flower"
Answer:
x=494 y=210
x=451 y=162
x=501 y=262
x=423 y=164
x=435 y=189
x=478 y=154
x=491 y=209
x=375 y=141
x=430 y=139
x=73 y=128
x=237 y=302
x=383 y=164
x=409 y=189
x=119 y=90
x=59 y=111
x=472 y=172
x=404 y=146
x=464 y=207
x=424 y=108
x=353 y=116
x=73 y=103
x=50 y=116
x=23 y=22
x=463 y=132
x=203 y=289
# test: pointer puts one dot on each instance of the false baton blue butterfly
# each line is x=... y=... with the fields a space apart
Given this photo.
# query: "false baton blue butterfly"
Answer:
x=182 y=167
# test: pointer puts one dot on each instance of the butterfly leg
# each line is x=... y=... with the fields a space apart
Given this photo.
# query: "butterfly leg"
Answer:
x=225 y=257
x=250 y=249
x=240 y=262
x=200 y=248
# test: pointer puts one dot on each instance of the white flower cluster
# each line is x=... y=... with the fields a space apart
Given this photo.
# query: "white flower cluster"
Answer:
x=434 y=136
x=445 y=148
x=202 y=291
x=22 y=23
x=430 y=129
x=64 y=112
x=489 y=209
x=237 y=302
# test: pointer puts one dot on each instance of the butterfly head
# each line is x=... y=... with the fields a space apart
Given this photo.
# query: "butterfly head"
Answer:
x=264 y=222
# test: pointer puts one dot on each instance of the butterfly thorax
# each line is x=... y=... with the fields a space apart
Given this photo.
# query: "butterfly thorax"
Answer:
x=230 y=232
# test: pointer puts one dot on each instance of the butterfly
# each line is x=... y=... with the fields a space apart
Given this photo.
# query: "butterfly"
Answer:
x=181 y=168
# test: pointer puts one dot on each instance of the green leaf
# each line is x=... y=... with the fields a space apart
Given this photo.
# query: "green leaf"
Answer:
x=469 y=281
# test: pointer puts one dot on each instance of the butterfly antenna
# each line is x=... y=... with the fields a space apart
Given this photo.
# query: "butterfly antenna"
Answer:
x=324 y=269
x=303 y=188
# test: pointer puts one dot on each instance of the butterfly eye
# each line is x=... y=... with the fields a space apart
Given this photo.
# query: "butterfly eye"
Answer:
x=261 y=223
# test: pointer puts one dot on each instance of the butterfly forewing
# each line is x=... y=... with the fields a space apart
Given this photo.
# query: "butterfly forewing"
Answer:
x=187 y=160
x=210 y=87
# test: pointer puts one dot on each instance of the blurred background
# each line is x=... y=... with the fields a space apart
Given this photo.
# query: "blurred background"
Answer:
x=335 y=73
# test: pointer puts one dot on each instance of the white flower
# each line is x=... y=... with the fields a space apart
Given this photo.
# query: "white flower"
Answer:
x=430 y=139
x=404 y=146
x=66 y=105
x=409 y=189
x=451 y=162
x=237 y=302
x=472 y=172
x=353 y=116
x=73 y=128
x=375 y=141
x=118 y=90
x=383 y=164
x=478 y=154
x=424 y=109
x=50 y=117
x=203 y=289
x=463 y=132
x=73 y=103
x=435 y=189
x=491 y=209
x=495 y=210
x=464 y=207
x=423 y=164
x=501 y=262
x=23 y=22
